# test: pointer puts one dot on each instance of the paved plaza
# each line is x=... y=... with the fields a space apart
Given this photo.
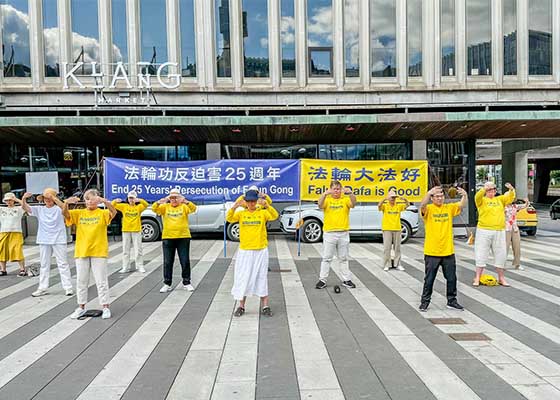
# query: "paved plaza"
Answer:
x=366 y=343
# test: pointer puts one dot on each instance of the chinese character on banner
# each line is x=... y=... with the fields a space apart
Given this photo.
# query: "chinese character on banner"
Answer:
x=364 y=173
x=273 y=173
x=198 y=174
x=131 y=172
x=256 y=173
x=214 y=174
x=148 y=174
x=388 y=174
x=165 y=174
x=317 y=173
x=341 y=174
x=181 y=174
x=410 y=174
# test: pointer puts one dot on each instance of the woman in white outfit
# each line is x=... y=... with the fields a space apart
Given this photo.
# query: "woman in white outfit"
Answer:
x=11 y=236
x=51 y=238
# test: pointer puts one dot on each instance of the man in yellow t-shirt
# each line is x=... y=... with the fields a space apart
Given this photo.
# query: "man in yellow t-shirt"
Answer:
x=131 y=229
x=176 y=237
x=438 y=244
x=391 y=228
x=92 y=248
x=336 y=231
x=251 y=263
x=491 y=229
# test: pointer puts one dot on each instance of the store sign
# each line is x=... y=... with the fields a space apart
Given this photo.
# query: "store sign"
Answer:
x=221 y=180
x=370 y=181
x=144 y=79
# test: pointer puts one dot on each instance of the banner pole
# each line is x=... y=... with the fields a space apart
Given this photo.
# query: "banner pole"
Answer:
x=300 y=225
x=225 y=227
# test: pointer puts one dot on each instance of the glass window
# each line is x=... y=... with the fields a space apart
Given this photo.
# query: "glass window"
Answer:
x=479 y=37
x=414 y=36
x=381 y=151
x=188 y=46
x=85 y=34
x=288 y=38
x=255 y=38
x=352 y=37
x=153 y=34
x=320 y=37
x=382 y=17
x=540 y=37
x=510 y=37
x=223 y=45
x=51 y=38
x=15 y=38
x=119 y=30
x=447 y=37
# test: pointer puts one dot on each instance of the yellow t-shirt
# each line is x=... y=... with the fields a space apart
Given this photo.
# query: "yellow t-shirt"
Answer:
x=266 y=197
x=91 y=232
x=175 y=219
x=252 y=226
x=491 y=212
x=438 y=225
x=131 y=219
x=391 y=216
x=337 y=214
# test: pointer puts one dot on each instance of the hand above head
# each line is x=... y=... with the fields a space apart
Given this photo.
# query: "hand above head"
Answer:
x=262 y=202
x=72 y=200
x=461 y=191
x=26 y=195
x=118 y=200
x=435 y=190
x=163 y=200
x=488 y=185
x=328 y=191
x=347 y=190
x=509 y=186
x=391 y=194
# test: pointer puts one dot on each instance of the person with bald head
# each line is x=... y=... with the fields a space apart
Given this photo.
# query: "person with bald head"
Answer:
x=52 y=240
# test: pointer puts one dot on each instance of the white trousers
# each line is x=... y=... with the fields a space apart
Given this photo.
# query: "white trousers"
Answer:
x=487 y=241
x=391 y=239
x=250 y=276
x=84 y=267
x=335 y=243
x=134 y=240
x=46 y=252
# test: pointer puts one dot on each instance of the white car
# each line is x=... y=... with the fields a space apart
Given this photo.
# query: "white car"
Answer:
x=365 y=220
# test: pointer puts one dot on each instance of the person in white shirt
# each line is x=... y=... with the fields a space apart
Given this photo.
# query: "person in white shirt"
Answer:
x=51 y=238
x=11 y=236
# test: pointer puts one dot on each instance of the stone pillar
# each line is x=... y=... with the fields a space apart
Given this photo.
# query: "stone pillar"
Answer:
x=419 y=149
x=521 y=178
x=213 y=151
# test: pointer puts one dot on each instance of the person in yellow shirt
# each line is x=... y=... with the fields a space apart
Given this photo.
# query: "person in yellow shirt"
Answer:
x=491 y=229
x=391 y=228
x=92 y=247
x=438 y=244
x=176 y=237
x=336 y=231
x=266 y=197
x=251 y=263
x=131 y=230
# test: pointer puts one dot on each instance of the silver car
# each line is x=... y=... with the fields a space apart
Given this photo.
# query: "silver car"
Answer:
x=365 y=220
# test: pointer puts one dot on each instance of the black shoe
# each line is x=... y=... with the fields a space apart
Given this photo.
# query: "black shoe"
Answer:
x=3 y=273
x=239 y=312
x=349 y=284
x=266 y=311
x=321 y=284
x=424 y=306
x=455 y=305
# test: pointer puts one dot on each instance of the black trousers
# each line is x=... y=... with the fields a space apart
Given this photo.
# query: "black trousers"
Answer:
x=449 y=272
x=182 y=247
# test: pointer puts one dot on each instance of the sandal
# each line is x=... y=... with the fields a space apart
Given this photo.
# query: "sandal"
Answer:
x=476 y=283
x=266 y=311
x=239 y=312
x=22 y=273
x=504 y=284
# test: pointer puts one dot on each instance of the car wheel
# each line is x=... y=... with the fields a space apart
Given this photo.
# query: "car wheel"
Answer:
x=406 y=232
x=531 y=232
x=233 y=232
x=312 y=231
x=150 y=230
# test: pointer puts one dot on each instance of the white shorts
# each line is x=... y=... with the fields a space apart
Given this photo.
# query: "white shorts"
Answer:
x=250 y=274
x=486 y=241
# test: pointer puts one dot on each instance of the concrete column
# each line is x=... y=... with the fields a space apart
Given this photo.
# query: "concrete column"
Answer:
x=133 y=33
x=497 y=41
x=338 y=43
x=556 y=40
x=521 y=178
x=461 y=41
x=402 y=56
x=236 y=38
x=365 y=73
x=205 y=43
x=213 y=151
x=65 y=31
x=522 y=41
x=105 y=39
x=36 y=43
x=436 y=55
x=429 y=29
x=301 y=42
x=419 y=149
x=173 y=35
x=275 y=49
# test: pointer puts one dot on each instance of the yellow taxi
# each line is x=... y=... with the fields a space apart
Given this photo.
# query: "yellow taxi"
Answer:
x=527 y=219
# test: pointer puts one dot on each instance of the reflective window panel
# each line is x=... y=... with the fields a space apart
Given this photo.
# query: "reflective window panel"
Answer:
x=51 y=38
x=320 y=37
x=85 y=34
x=510 y=36
x=15 y=38
x=352 y=38
x=153 y=34
x=255 y=38
x=223 y=45
x=119 y=29
x=288 y=38
x=479 y=37
x=188 y=43
x=382 y=23
x=414 y=33
x=540 y=37
x=447 y=37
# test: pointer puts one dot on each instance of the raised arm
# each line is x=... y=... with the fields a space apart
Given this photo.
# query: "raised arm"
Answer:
x=405 y=201
x=24 y=204
x=67 y=202
x=272 y=214
x=426 y=199
x=349 y=193
x=509 y=196
x=110 y=207
x=464 y=198
x=190 y=205
x=321 y=201
x=381 y=203
x=231 y=215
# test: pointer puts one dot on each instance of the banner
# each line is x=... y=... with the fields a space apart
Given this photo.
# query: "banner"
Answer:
x=210 y=180
x=369 y=180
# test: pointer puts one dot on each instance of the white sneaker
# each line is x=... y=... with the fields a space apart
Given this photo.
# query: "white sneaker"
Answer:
x=78 y=312
x=189 y=287
x=123 y=270
x=400 y=268
x=106 y=313
x=165 y=289
x=520 y=268
x=69 y=292
x=386 y=269
x=142 y=270
x=39 y=293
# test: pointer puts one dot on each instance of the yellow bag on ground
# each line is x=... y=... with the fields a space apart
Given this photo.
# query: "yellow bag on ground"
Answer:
x=488 y=280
